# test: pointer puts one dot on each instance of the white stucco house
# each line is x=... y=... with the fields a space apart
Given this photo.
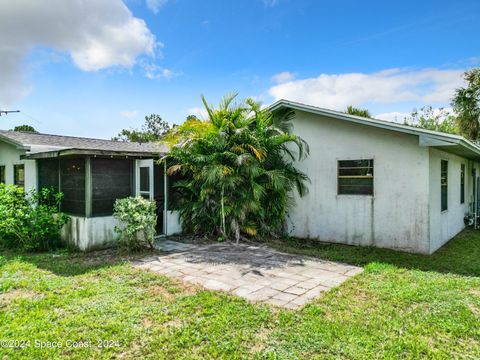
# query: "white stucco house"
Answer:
x=373 y=182
x=383 y=184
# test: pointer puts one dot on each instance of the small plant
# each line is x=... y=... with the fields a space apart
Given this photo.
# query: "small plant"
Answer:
x=30 y=221
x=138 y=220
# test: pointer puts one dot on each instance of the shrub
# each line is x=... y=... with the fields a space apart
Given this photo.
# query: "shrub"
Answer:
x=138 y=219
x=30 y=220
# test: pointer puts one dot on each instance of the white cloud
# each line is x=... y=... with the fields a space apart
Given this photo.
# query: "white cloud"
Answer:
x=337 y=91
x=394 y=116
x=129 y=114
x=97 y=34
x=155 y=5
x=283 y=77
x=153 y=71
x=199 y=112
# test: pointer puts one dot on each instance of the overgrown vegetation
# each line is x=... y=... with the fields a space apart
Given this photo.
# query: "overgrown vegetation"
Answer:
x=30 y=221
x=401 y=306
x=237 y=168
x=138 y=218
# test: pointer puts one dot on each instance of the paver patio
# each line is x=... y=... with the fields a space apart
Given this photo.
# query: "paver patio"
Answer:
x=257 y=273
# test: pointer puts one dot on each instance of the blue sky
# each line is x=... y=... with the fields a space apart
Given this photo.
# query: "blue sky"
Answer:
x=93 y=70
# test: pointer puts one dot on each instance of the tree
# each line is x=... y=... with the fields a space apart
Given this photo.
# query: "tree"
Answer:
x=431 y=119
x=25 y=128
x=237 y=170
x=466 y=103
x=152 y=130
x=351 y=110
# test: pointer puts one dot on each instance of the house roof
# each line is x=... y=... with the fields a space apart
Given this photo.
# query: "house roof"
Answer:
x=448 y=142
x=46 y=145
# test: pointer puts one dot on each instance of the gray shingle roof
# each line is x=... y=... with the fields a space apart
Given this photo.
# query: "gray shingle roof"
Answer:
x=36 y=143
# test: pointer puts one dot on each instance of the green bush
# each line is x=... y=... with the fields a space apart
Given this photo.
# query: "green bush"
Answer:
x=30 y=220
x=138 y=219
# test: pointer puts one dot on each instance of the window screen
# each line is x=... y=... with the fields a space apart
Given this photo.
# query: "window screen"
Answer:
x=19 y=175
x=111 y=180
x=72 y=172
x=462 y=183
x=145 y=179
x=48 y=174
x=444 y=184
x=355 y=177
x=2 y=174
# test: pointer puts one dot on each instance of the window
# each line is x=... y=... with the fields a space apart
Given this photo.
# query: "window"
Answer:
x=444 y=184
x=2 y=174
x=462 y=183
x=72 y=185
x=355 y=177
x=111 y=180
x=19 y=175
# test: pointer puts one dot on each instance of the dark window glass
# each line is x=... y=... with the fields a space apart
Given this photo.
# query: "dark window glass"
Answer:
x=145 y=179
x=462 y=183
x=111 y=180
x=2 y=174
x=48 y=174
x=19 y=175
x=72 y=185
x=444 y=184
x=355 y=177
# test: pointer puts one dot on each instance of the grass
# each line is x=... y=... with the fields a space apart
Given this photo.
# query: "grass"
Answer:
x=402 y=305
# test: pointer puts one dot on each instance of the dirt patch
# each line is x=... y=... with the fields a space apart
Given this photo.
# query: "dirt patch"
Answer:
x=8 y=297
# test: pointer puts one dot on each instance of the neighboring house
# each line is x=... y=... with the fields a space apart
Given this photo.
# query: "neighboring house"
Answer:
x=373 y=183
x=92 y=174
x=383 y=184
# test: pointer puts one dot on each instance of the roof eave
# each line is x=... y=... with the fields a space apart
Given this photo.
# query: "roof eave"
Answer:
x=453 y=139
x=15 y=143
x=85 y=152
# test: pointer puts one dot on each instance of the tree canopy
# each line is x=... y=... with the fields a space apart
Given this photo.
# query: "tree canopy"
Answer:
x=25 y=128
x=351 y=110
x=153 y=129
x=466 y=103
x=433 y=119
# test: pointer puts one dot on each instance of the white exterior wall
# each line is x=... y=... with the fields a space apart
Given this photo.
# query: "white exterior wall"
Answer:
x=174 y=224
x=396 y=216
x=10 y=156
x=446 y=224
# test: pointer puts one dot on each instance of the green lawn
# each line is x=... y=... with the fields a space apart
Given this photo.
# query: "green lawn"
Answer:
x=403 y=305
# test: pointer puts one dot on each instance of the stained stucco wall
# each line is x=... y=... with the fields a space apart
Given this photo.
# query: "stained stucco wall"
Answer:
x=446 y=224
x=396 y=216
x=90 y=233
x=10 y=156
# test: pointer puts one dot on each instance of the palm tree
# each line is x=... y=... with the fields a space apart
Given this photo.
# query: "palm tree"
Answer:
x=351 y=110
x=466 y=103
x=238 y=171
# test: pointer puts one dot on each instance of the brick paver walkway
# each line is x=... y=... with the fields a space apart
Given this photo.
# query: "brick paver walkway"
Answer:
x=257 y=273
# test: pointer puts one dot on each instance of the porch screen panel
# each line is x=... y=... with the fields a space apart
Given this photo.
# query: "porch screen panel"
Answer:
x=111 y=180
x=72 y=182
x=48 y=174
